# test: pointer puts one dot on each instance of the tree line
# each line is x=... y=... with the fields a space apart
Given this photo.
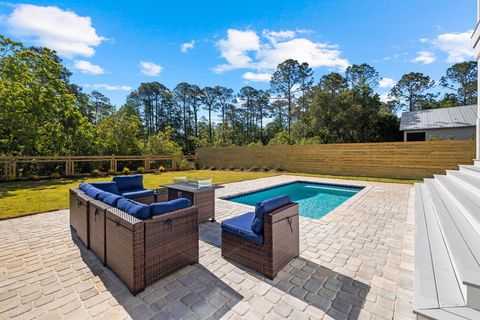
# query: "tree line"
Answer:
x=43 y=113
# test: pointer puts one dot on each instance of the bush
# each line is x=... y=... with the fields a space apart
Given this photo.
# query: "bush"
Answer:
x=112 y=172
x=55 y=175
x=434 y=138
x=95 y=173
x=184 y=164
x=213 y=168
x=254 y=168
x=35 y=177
x=279 y=169
x=204 y=167
x=231 y=168
x=161 y=169
x=141 y=170
x=265 y=168
x=126 y=171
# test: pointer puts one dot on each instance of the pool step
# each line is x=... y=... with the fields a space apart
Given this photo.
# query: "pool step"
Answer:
x=447 y=246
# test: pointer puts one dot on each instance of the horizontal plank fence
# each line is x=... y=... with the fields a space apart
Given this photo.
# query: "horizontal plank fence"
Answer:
x=10 y=164
x=405 y=160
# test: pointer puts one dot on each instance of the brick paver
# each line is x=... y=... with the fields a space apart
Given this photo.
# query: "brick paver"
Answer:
x=355 y=263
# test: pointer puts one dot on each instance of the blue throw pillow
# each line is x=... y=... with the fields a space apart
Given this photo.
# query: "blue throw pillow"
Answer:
x=169 y=206
x=267 y=206
x=102 y=195
x=138 y=210
x=124 y=183
x=112 y=199
x=106 y=186
x=93 y=192
x=84 y=186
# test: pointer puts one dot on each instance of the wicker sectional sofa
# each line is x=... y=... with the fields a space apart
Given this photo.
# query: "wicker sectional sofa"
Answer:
x=140 y=243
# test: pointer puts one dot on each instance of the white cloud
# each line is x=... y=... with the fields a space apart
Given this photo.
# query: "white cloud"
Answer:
x=456 y=45
x=61 y=30
x=87 y=67
x=150 y=69
x=385 y=97
x=185 y=47
x=108 y=87
x=386 y=83
x=423 y=40
x=425 y=57
x=257 y=77
x=235 y=49
x=246 y=50
x=275 y=36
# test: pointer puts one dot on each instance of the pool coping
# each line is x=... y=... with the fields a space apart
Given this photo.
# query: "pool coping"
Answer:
x=360 y=194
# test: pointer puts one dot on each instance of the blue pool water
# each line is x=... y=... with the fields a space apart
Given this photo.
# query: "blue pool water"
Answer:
x=315 y=199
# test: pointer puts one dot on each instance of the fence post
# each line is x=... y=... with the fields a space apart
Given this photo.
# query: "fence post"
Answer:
x=174 y=163
x=147 y=164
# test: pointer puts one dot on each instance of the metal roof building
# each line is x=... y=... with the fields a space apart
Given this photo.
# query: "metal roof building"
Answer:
x=456 y=123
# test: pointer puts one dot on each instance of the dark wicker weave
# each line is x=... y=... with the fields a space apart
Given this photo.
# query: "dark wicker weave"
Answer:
x=142 y=252
x=147 y=200
x=139 y=252
x=280 y=243
x=79 y=202
x=96 y=228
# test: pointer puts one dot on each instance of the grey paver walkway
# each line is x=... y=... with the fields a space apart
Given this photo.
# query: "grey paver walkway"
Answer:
x=355 y=263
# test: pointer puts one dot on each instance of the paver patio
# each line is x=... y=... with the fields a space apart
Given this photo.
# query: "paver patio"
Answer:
x=356 y=262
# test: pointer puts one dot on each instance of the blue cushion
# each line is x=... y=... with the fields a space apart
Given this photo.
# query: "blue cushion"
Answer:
x=129 y=183
x=267 y=206
x=84 y=186
x=242 y=227
x=106 y=186
x=102 y=195
x=112 y=199
x=169 y=206
x=137 y=194
x=93 y=192
x=138 y=210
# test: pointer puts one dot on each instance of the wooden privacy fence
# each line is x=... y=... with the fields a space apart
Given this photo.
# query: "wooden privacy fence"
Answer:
x=10 y=163
x=406 y=160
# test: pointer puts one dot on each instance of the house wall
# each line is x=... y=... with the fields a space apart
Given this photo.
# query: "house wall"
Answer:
x=463 y=133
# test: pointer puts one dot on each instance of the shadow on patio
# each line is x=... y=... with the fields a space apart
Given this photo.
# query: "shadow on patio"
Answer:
x=339 y=296
x=190 y=292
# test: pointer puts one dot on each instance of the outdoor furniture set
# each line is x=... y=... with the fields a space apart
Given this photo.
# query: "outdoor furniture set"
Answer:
x=143 y=235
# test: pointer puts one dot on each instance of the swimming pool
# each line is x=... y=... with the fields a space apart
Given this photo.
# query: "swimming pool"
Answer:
x=315 y=199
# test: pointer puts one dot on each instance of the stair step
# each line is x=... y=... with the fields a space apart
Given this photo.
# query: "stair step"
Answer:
x=436 y=284
x=457 y=313
x=469 y=168
x=462 y=240
x=471 y=179
x=464 y=198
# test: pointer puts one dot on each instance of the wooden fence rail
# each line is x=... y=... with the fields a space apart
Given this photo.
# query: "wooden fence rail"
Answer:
x=407 y=160
x=10 y=163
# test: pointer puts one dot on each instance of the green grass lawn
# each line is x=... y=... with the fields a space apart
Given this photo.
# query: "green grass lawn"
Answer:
x=27 y=197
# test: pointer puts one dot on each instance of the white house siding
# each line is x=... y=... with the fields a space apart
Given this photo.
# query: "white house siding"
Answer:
x=462 y=133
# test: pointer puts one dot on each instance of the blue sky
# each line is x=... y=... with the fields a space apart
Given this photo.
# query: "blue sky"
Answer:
x=113 y=46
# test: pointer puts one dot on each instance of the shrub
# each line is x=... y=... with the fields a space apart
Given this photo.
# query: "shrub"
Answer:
x=126 y=171
x=95 y=173
x=112 y=172
x=213 y=168
x=161 y=169
x=184 y=164
x=141 y=170
x=435 y=138
x=35 y=177
x=279 y=168
x=204 y=167
x=265 y=168
x=55 y=175
x=254 y=168
x=231 y=167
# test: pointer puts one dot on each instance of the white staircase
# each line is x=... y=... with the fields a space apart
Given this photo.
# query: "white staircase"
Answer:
x=447 y=245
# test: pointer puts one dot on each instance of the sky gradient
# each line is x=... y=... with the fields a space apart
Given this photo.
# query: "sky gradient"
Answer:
x=114 y=46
